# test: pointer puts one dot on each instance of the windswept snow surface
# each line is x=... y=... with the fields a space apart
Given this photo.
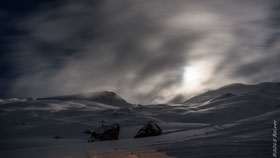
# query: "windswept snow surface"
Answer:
x=213 y=124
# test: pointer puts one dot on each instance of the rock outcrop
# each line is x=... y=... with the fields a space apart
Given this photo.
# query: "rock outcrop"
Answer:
x=106 y=132
x=150 y=129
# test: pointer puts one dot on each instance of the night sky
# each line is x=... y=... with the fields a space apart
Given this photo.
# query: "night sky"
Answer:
x=147 y=51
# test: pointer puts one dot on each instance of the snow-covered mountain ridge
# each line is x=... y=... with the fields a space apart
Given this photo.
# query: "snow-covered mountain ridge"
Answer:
x=235 y=113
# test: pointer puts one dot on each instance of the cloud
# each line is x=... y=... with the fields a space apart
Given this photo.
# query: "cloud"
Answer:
x=140 y=49
x=253 y=58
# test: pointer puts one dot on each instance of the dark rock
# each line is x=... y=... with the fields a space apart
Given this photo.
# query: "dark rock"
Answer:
x=106 y=132
x=58 y=137
x=150 y=129
x=87 y=131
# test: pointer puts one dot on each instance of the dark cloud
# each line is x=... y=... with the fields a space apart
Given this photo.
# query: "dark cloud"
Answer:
x=138 y=49
x=265 y=52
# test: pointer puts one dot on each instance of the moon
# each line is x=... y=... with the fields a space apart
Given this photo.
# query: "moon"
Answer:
x=192 y=77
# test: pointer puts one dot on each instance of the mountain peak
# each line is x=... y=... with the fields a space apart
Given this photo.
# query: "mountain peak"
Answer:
x=104 y=97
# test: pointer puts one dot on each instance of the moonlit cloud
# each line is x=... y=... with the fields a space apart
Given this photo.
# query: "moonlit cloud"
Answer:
x=141 y=49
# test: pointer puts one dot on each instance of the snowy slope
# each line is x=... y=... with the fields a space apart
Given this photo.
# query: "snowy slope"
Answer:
x=231 y=118
x=267 y=88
